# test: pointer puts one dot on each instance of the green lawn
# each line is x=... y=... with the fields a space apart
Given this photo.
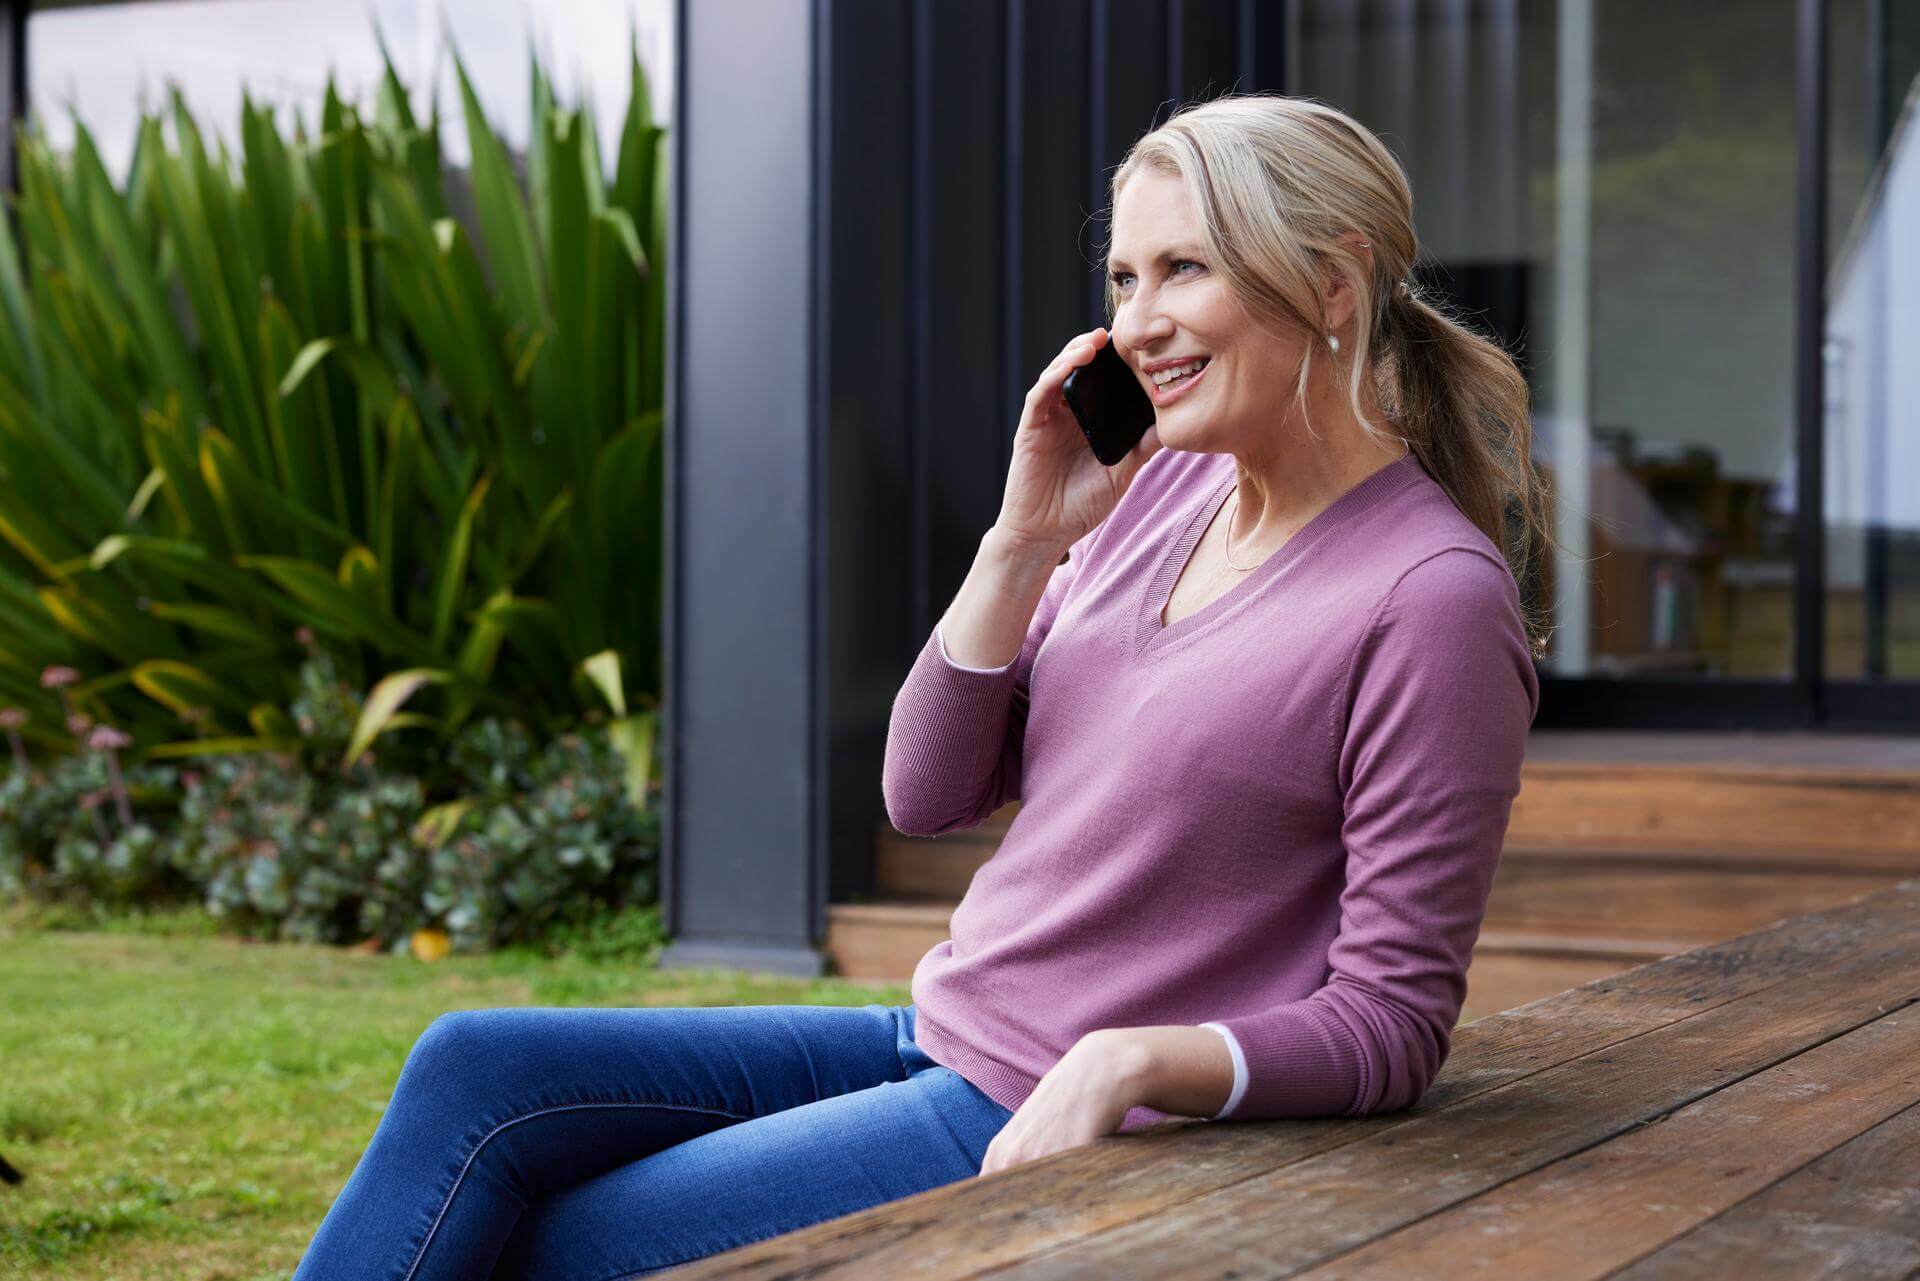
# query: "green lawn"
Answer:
x=186 y=1105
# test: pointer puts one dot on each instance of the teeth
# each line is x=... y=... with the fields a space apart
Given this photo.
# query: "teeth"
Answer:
x=1164 y=376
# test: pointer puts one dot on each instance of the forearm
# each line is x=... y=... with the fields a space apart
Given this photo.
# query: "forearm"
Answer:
x=1179 y=1070
x=987 y=622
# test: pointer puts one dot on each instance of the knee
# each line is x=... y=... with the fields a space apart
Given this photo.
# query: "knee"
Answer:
x=450 y=1051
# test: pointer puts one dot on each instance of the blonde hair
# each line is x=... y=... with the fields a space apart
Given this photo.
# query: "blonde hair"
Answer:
x=1273 y=182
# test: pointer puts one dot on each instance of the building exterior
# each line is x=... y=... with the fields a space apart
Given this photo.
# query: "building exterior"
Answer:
x=1691 y=224
x=1695 y=227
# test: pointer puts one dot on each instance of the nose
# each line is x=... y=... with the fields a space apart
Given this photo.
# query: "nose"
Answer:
x=1139 y=328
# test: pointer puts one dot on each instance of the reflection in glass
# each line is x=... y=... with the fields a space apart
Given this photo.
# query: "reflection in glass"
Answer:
x=1872 y=411
x=1610 y=189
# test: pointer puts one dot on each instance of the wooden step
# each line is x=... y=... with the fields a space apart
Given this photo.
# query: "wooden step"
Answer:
x=1849 y=818
x=1577 y=898
x=882 y=942
x=1499 y=981
x=1867 y=819
x=943 y=867
x=1586 y=907
x=1623 y=848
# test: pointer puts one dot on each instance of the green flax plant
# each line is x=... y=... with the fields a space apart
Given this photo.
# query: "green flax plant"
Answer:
x=251 y=402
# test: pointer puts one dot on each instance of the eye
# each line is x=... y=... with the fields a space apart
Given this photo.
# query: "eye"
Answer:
x=1177 y=264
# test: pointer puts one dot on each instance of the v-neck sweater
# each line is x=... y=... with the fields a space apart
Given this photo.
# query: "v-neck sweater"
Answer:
x=1277 y=816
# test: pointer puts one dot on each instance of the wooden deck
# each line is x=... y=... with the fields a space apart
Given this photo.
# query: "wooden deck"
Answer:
x=1744 y=1109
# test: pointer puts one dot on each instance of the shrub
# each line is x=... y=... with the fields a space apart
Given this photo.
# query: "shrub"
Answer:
x=59 y=837
x=501 y=845
x=286 y=391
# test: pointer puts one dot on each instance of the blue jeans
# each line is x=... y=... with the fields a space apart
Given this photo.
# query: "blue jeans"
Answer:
x=602 y=1144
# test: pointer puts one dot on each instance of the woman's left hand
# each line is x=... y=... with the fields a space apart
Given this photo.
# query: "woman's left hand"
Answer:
x=1083 y=1097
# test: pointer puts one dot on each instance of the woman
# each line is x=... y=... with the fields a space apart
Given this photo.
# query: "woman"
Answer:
x=1265 y=716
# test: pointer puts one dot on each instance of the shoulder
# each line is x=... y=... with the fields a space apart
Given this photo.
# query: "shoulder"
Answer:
x=1442 y=674
x=1446 y=588
x=1430 y=564
x=1447 y=613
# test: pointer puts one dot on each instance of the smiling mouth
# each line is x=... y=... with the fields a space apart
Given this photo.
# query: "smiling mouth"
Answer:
x=1166 y=391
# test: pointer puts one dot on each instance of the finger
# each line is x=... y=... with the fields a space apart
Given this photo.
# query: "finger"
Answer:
x=1073 y=357
x=1076 y=355
x=1055 y=374
x=1089 y=341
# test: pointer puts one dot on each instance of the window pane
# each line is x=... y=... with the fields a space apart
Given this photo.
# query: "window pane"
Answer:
x=1872 y=456
x=1610 y=187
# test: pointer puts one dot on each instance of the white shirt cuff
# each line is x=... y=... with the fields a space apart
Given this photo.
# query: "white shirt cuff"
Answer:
x=942 y=642
x=1239 y=1071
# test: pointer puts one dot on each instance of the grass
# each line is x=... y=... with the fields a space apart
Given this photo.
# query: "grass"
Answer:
x=186 y=1105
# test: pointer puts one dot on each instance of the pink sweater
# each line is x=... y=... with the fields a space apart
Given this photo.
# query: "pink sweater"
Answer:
x=1279 y=816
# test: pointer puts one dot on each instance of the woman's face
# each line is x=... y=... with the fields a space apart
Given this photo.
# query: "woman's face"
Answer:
x=1169 y=304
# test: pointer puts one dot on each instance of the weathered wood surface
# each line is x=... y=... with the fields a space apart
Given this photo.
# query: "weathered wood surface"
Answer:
x=1744 y=1109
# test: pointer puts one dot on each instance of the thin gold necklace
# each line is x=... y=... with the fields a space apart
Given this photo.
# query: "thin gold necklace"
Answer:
x=1227 y=550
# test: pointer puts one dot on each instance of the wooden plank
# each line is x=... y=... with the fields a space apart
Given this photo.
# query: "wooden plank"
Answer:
x=977 y=1224
x=1596 y=897
x=1826 y=822
x=1810 y=749
x=1587 y=1215
x=1339 y=1200
x=931 y=867
x=878 y=943
x=1896 y=862
x=1857 y=817
x=1575 y=945
x=1573 y=910
x=943 y=867
x=1863 y=813
x=1498 y=982
x=1853 y=1215
x=884 y=941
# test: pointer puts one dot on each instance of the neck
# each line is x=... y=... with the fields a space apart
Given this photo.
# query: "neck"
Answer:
x=1291 y=477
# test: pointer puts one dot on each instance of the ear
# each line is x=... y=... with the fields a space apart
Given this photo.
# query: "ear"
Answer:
x=1338 y=299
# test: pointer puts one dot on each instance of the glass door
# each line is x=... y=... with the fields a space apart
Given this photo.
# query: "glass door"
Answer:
x=1871 y=351
x=1613 y=190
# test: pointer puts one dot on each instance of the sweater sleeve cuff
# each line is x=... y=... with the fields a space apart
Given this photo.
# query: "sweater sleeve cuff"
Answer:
x=1239 y=1070
x=941 y=642
x=1302 y=1061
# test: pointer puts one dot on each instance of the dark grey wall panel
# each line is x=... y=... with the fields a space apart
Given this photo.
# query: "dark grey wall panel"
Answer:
x=1210 y=43
x=866 y=331
x=745 y=587
x=959 y=283
x=1045 y=284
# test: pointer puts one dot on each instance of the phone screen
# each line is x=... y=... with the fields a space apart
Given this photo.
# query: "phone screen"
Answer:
x=1113 y=409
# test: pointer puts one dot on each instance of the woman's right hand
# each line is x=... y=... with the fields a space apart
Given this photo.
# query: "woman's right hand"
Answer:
x=1056 y=489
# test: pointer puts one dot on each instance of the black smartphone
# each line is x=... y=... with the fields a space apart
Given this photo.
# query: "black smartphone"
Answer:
x=1112 y=407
